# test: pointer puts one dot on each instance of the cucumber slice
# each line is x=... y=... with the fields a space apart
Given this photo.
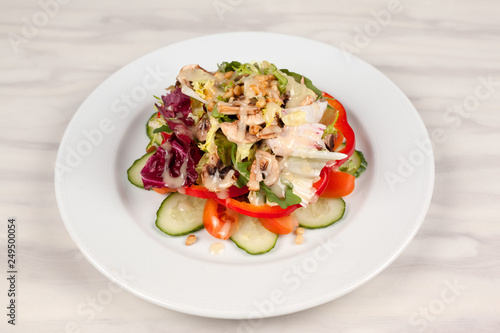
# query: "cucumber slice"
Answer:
x=321 y=214
x=155 y=141
x=134 y=172
x=180 y=214
x=355 y=165
x=152 y=124
x=252 y=237
x=149 y=128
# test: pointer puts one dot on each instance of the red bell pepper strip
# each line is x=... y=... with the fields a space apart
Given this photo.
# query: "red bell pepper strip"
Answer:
x=342 y=126
x=261 y=211
x=280 y=225
x=164 y=136
x=202 y=192
x=267 y=211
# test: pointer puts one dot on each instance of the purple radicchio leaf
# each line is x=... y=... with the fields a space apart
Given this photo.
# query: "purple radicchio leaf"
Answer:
x=175 y=105
x=179 y=160
x=152 y=173
x=180 y=129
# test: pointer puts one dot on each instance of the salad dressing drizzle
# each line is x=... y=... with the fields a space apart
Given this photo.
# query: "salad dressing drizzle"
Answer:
x=224 y=194
x=274 y=122
x=298 y=92
x=216 y=248
x=173 y=182
x=242 y=127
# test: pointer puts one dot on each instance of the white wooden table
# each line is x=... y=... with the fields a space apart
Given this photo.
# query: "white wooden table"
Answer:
x=445 y=55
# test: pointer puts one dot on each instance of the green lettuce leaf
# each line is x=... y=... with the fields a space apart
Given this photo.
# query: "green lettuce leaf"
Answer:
x=220 y=116
x=229 y=66
x=164 y=128
x=307 y=82
x=290 y=198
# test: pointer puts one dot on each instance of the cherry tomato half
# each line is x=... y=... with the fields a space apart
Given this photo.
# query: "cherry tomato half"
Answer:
x=339 y=184
x=219 y=220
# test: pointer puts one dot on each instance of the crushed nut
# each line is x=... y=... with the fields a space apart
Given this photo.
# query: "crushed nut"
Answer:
x=228 y=94
x=255 y=89
x=261 y=103
x=228 y=75
x=237 y=90
x=299 y=239
x=269 y=132
x=299 y=231
x=190 y=240
x=219 y=76
x=210 y=106
x=254 y=129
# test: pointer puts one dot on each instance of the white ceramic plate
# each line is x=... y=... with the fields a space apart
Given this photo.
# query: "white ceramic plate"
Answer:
x=113 y=222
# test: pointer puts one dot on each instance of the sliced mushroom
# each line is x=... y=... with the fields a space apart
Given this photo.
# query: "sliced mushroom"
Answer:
x=227 y=176
x=236 y=133
x=237 y=108
x=254 y=119
x=215 y=160
x=269 y=132
x=187 y=72
x=265 y=168
x=185 y=76
x=202 y=129
x=216 y=178
x=330 y=141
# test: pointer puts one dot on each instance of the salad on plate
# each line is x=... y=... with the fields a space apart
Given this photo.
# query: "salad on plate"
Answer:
x=247 y=152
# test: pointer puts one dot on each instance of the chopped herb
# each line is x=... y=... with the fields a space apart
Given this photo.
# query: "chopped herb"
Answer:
x=282 y=81
x=270 y=70
x=219 y=98
x=227 y=86
x=248 y=68
x=330 y=129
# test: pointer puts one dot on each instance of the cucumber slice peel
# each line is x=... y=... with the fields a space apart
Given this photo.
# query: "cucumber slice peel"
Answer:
x=355 y=165
x=321 y=214
x=252 y=237
x=180 y=214
x=154 y=137
x=134 y=172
